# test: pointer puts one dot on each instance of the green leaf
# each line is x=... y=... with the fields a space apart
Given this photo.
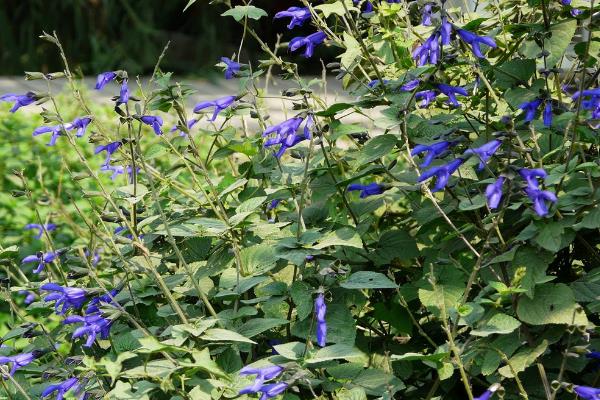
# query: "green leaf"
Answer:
x=342 y=237
x=394 y=244
x=241 y=12
x=338 y=129
x=368 y=280
x=336 y=8
x=301 y=294
x=534 y=262
x=522 y=360
x=352 y=53
x=291 y=350
x=514 y=72
x=256 y=260
x=498 y=324
x=334 y=109
x=552 y=304
x=376 y=148
x=337 y=352
x=259 y=325
x=550 y=236
x=224 y=335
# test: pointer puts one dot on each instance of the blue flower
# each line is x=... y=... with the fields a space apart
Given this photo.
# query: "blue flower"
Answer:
x=287 y=135
x=104 y=78
x=78 y=123
x=298 y=16
x=40 y=228
x=18 y=361
x=272 y=390
x=42 y=259
x=587 y=393
x=367 y=190
x=262 y=375
x=81 y=125
x=493 y=193
x=62 y=388
x=475 y=41
x=376 y=82
x=20 y=100
x=190 y=124
x=433 y=151
x=320 y=311
x=219 y=104
x=411 y=85
x=442 y=174
x=124 y=94
x=232 y=68
x=485 y=152
x=594 y=355
x=55 y=130
x=446 y=31
x=93 y=325
x=427 y=11
x=548 y=114
x=426 y=97
x=95 y=256
x=273 y=204
x=154 y=121
x=576 y=12
x=451 y=92
x=119 y=170
x=109 y=149
x=530 y=108
x=539 y=199
x=29 y=296
x=309 y=42
x=488 y=393
x=108 y=298
x=428 y=52
x=67 y=297
x=531 y=175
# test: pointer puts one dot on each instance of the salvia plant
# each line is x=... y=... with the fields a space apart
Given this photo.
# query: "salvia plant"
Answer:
x=434 y=236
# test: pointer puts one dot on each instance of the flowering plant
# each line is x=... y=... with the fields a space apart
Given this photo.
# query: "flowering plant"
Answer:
x=434 y=237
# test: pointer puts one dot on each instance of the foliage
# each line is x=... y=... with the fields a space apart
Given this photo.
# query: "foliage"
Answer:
x=317 y=260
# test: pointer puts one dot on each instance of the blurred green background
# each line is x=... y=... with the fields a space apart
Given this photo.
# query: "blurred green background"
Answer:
x=99 y=35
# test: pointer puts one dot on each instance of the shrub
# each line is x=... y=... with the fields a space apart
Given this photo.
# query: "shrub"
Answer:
x=434 y=238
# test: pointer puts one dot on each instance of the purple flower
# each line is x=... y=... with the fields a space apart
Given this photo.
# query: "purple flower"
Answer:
x=119 y=170
x=367 y=190
x=286 y=135
x=548 y=114
x=29 y=296
x=475 y=41
x=93 y=325
x=594 y=355
x=219 y=105
x=587 y=393
x=20 y=100
x=232 y=67
x=104 y=78
x=320 y=311
x=442 y=174
x=428 y=52
x=262 y=375
x=427 y=11
x=272 y=390
x=110 y=149
x=107 y=298
x=67 y=297
x=531 y=175
x=367 y=6
x=488 y=393
x=433 y=151
x=18 y=361
x=41 y=258
x=485 y=152
x=426 y=97
x=446 y=31
x=154 y=121
x=124 y=94
x=274 y=203
x=40 y=228
x=298 y=16
x=376 y=82
x=493 y=193
x=55 y=130
x=451 y=92
x=530 y=108
x=95 y=256
x=575 y=12
x=410 y=85
x=62 y=388
x=190 y=124
x=81 y=125
x=539 y=199
x=309 y=42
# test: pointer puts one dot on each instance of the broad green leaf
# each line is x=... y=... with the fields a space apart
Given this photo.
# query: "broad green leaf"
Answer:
x=394 y=244
x=336 y=8
x=352 y=53
x=224 y=335
x=337 y=352
x=291 y=350
x=514 y=72
x=522 y=360
x=241 y=12
x=368 y=280
x=376 y=148
x=498 y=324
x=301 y=294
x=255 y=326
x=257 y=260
x=342 y=237
x=552 y=304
